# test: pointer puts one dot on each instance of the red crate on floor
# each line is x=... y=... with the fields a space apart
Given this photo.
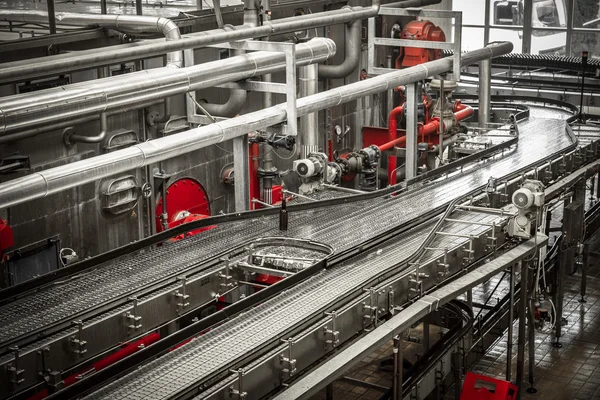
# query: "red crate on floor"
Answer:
x=481 y=387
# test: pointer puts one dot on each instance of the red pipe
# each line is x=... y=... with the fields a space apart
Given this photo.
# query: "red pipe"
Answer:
x=126 y=351
x=254 y=184
x=462 y=111
x=392 y=135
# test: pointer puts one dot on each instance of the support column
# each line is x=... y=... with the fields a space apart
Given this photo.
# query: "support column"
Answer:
x=559 y=276
x=51 y=16
x=531 y=333
x=103 y=7
x=522 y=330
x=511 y=318
x=426 y=336
x=390 y=93
x=584 y=265
x=241 y=175
x=411 y=130
x=309 y=124
x=485 y=95
x=398 y=368
x=138 y=7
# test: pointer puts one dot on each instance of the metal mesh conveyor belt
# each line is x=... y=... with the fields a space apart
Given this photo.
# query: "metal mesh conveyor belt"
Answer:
x=229 y=342
x=342 y=227
x=168 y=375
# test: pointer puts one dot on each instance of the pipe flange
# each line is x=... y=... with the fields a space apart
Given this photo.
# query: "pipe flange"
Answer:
x=67 y=134
x=268 y=173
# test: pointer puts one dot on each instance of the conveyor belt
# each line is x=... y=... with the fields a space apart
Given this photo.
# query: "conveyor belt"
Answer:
x=66 y=301
x=171 y=374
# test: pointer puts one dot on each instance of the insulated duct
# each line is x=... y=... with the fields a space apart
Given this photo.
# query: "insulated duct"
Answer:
x=54 y=180
x=126 y=92
x=54 y=65
x=134 y=24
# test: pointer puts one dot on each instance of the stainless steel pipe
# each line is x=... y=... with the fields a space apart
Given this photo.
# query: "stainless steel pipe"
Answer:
x=485 y=92
x=126 y=92
x=122 y=23
x=353 y=31
x=55 y=180
x=308 y=136
x=54 y=65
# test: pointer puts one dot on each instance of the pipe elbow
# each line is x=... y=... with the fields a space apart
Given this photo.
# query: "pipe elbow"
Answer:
x=350 y=63
x=70 y=137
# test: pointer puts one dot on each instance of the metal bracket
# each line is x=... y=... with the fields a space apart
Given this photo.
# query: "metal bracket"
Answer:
x=225 y=279
x=391 y=306
x=132 y=317
x=239 y=392
x=289 y=362
x=415 y=285
x=371 y=310
x=182 y=297
x=14 y=373
x=76 y=340
x=443 y=268
x=44 y=358
x=333 y=333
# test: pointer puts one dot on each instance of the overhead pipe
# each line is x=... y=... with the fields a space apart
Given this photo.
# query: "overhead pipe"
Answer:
x=54 y=180
x=122 y=23
x=126 y=92
x=54 y=65
x=353 y=42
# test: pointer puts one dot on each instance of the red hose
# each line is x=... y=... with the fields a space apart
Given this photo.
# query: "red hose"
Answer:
x=392 y=135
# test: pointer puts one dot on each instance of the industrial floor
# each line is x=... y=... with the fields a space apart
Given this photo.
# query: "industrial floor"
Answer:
x=570 y=372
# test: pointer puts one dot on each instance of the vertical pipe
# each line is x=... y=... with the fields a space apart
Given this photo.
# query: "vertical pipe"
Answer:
x=485 y=95
x=527 y=25
x=486 y=18
x=329 y=392
x=267 y=102
x=138 y=7
x=240 y=168
x=253 y=167
x=522 y=329
x=442 y=103
x=398 y=368
x=570 y=23
x=309 y=124
x=390 y=93
x=51 y=16
x=511 y=319
x=103 y=9
x=411 y=130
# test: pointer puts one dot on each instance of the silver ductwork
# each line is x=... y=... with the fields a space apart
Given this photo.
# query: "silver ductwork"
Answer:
x=135 y=24
x=55 y=180
x=127 y=92
x=53 y=65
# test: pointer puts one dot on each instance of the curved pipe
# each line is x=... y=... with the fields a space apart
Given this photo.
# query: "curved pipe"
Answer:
x=122 y=23
x=71 y=139
x=392 y=134
x=54 y=65
x=41 y=184
x=127 y=92
x=352 y=48
x=234 y=105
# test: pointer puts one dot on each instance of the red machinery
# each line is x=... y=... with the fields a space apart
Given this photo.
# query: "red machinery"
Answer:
x=481 y=387
x=419 y=30
x=7 y=238
x=186 y=201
